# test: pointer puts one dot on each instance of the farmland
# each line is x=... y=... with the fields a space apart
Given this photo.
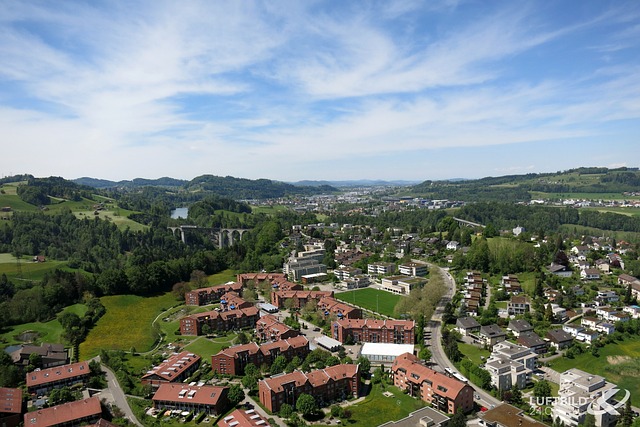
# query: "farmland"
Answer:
x=372 y=299
x=27 y=270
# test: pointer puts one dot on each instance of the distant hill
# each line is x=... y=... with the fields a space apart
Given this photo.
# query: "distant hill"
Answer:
x=521 y=187
x=137 y=182
x=355 y=183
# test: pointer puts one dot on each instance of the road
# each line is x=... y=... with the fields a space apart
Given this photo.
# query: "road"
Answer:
x=433 y=333
x=118 y=396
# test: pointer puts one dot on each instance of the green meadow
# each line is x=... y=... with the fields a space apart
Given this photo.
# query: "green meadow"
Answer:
x=372 y=299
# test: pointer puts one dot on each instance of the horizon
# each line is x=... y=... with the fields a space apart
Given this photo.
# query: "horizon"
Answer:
x=321 y=91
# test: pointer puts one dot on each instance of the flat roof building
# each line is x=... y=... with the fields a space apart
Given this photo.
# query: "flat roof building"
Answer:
x=384 y=353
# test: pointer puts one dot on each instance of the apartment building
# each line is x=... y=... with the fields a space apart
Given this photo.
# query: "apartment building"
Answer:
x=442 y=392
x=518 y=305
x=505 y=415
x=325 y=385
x=328 y=306
x=371 y=330
x=177 y=368
x=414 y=268
x=269 y=328
x=204 y=296
x=243 y=418
x=42 y=381
x=510 y=365
x=381 y=268
x=346 y=272
x=80 y=412
x=233 y=360
x=227 y=320
x=183 y=397
x=300 y=298
x=12 y=406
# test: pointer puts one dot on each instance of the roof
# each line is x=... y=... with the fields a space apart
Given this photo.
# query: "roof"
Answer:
x=243 y=418
x=326 y=342
x=174 y=366
x=558 y=335
x=377 y=324
x=10 y=400
x=467 y=322
x=386 y=349
x=315 y=378
x=203 y=395
x=415 y=371
x=508 y=416
x=530 y=339
x=492 y=330
x=520 y=325
x=64 y=413
x=57 y=373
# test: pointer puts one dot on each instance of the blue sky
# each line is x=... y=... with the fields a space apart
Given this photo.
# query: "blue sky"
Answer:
x=333 y=90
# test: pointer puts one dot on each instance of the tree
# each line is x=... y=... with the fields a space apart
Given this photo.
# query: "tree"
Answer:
x=548 y=313
x=242 y=338
x=206 y=329
x=278 y=365
x=589 y=421
x=306 y=404
x=286 y=410
x=458 y=419
x=542 y=389
x=365 y=364
x=626 y=418
x=236 y=394
x=425 y=354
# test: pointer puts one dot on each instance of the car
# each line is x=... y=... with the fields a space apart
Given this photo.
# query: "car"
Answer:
x=316 y=329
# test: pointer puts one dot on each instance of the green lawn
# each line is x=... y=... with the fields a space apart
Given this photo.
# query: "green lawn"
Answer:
x=619 y=363
x=126 y=324
x=473 y=352
x=268 y=210
x=30 y=270
x=377 y=409
x=169 y=324
x=205 y=347
x=223 y=277
x=50 y=331
x=372 y=299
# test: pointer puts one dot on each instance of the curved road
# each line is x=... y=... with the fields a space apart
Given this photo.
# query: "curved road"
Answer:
x=433 y=332
x=119 y=398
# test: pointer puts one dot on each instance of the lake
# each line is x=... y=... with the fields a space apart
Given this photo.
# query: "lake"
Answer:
x=180 y=213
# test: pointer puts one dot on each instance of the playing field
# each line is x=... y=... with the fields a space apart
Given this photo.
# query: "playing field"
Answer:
x=372 y=299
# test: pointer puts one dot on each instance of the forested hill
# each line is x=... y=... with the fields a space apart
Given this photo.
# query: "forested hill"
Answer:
x=228 y=186
x=520 y=187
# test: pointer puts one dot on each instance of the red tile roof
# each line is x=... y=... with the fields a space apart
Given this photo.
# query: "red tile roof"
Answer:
x=203 y=395
x=174 y=366
x=376 y=324
x=413 y=368
x=316 y=378
x=57 y=373
x=10 y=400
x=65 y=413
x=243 y=418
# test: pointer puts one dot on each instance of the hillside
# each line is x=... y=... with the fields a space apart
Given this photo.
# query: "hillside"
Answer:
x=607 y=183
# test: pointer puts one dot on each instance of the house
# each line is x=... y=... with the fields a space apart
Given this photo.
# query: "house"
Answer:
x=441 y=391
x=607 y=297
x=559 y=313
x=590 y=274
x=587 y=335
x=80 y=412
x=519 y=326
x=505 y=415
x=572 y=330
x=467 y=326
x=511 y=284
x=626 y=280
x=533 y=341
x=560 y=270
x=633 y=311
x=590 y=322
x=243 y=418
x=42 y=381
x=492 y=334
x=372 y=330
x=12 y=406
x=325 y=385
x=51 y=354
x=510 y=365
x=559 y=338
x=605 y=328
x=453 y=245
x=518 y=231
x=191 y=398
x=176 y=368
x=233 y=360
x=518 y=305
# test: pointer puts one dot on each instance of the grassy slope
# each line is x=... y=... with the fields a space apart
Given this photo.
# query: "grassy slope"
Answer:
x=30 y=270
x=601 y=366
x=366 y=298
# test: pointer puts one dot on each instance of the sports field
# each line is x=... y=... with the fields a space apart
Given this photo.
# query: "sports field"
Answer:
x=372 y=299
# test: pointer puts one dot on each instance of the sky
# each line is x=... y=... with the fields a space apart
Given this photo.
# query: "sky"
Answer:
x=317 y=90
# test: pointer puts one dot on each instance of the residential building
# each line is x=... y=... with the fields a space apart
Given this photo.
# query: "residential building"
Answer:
x=177 y=368
x=578 y=391
x=505 y=415
x=356 y=282
x=12 y=406
x=300 y=298
x=381 y=268
x=560 y=270
x=227 y=320
x=441 y=391
x=378 y=331
x=633 y=311
x=519 y=326
x=510 y=365
x=245 y=278
x=325 y=385
x=414 y=268
x=606 y=297
x=233 y=360
x=44 y=380
x=511 y=284
x=243 y=418
x=204 y=296
x=51 y=354
x=346 y=272
x=80 y=412
x=491 y=335
x=453 y=245
x=572 y=330
x=329 y=306
x=561 y=339
x=401 y=285
x=518 y=305
x=298 y=267
x=467 y=326
x=269 y=328
x=183 y=397
x=590 y=274
x=533 y=341
x=426 y=416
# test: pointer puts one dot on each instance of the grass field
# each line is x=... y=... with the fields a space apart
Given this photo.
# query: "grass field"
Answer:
x=205 y=347
x=223 y=277
x=372 y=299
x=473 y=352
x=47 y=331
x=618 y=363
x=30 y=270
x=268 y=210
x=126 y=324
x=377 y=409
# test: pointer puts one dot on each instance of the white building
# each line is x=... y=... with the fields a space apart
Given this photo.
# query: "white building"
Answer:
x=381 y=268
x=401 y=285
x=578 y=391
x=384 y=353
x=510 y=365
x=414 y=268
